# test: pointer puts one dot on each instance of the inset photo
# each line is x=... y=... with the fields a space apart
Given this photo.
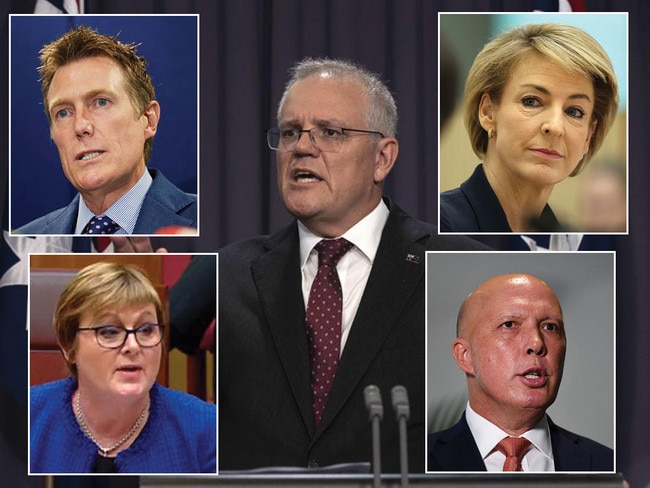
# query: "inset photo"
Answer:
x=533 y=118
x=521 y=362
x=109 y=390
x=104 y=124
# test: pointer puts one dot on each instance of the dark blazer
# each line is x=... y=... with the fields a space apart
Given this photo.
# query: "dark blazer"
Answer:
x=474 y=207
x=454 y=449
x=265 y=412
x=163 y=205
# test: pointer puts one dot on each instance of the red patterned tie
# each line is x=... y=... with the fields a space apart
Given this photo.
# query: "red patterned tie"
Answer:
x=513 y=448
x=323 y=321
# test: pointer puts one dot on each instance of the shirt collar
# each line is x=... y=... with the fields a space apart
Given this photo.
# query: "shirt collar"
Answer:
x=365 y=234
x=487 y=435
x=124 y=211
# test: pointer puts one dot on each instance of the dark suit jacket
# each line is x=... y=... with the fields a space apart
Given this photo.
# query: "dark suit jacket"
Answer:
x=454 y=449
x=163 y=205
x=193 y=303
x=474 y=207
x=265 y=411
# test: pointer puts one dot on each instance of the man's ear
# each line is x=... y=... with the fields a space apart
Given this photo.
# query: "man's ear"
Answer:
x=463 y=355
x=152 y=116
x=385 y=157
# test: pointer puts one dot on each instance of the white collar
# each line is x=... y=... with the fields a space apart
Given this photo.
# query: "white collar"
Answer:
x=365 y=234
x=487 y=435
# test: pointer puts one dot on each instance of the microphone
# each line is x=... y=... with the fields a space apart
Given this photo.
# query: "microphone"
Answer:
x=402 y=412
x=372 y=397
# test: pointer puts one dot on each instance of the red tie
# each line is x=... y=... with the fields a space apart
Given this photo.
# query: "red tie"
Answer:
x=323 y=321
x=513 y=448
x=577 y=5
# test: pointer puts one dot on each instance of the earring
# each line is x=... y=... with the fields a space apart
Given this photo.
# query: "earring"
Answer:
x=491 y=133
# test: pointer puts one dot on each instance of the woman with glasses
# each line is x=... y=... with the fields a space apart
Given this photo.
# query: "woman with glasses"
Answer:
x=111 y=415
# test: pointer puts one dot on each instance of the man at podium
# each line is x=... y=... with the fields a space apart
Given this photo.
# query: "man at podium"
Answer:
x=309 y=316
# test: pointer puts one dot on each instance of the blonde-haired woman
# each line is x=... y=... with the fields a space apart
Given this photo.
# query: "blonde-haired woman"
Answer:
x=539 y=100
x=110 y=415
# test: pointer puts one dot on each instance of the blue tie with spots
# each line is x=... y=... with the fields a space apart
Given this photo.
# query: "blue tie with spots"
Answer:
x=101 y=225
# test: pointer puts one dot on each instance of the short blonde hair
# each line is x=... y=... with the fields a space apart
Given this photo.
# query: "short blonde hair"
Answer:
x=95 y=288
x=571 y=48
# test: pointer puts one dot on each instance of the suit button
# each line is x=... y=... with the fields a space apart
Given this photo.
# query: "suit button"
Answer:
x=312 y=463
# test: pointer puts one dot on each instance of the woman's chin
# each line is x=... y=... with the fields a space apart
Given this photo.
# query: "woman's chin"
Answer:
x=131 y=390
x=545 y=176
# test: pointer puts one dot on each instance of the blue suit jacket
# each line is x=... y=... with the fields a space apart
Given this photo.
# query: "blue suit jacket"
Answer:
x=163 y=205
x=454 y=449
x=180 y=435
x=474 y=207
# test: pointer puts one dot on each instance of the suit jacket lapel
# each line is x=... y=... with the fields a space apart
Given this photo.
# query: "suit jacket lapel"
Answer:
x=277 y=277
x=456 y=450
x=398 y=269
x=160 y=206
x=567 y=456
x=64 y=222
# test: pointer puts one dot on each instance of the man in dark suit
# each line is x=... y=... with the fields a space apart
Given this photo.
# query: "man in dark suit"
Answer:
x=511 y=344
x=101 y=105
x=335 y=145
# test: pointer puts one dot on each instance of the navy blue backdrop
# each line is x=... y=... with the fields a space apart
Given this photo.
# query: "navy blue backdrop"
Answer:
x=168 y=43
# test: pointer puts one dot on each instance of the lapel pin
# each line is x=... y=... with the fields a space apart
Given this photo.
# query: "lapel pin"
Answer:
x=413 y=258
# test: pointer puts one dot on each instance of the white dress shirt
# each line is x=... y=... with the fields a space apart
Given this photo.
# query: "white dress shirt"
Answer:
x=487 y=435
x=354 y=266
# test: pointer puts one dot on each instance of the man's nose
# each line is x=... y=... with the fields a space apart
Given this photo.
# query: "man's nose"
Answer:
x=305 y=144
x=534 y=341
x=82 y=124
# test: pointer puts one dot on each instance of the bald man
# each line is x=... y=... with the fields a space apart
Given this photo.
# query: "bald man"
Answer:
x=511 y=345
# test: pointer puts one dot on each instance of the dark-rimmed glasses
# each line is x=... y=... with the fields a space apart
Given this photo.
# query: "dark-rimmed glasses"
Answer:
x=114 y=337
x=326 y=139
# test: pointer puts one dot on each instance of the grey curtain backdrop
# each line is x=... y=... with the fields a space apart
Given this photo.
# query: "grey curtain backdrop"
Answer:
x=247 y=47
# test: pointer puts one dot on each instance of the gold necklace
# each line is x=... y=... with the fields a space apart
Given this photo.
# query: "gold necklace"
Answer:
x=86 y=430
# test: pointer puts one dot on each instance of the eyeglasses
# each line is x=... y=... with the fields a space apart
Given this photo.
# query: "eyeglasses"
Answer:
x=114 y=337
x=326 y=139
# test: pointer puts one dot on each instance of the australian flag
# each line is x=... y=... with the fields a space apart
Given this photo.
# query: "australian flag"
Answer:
x=559 y=5
x=14 y=272
x=59 y=7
